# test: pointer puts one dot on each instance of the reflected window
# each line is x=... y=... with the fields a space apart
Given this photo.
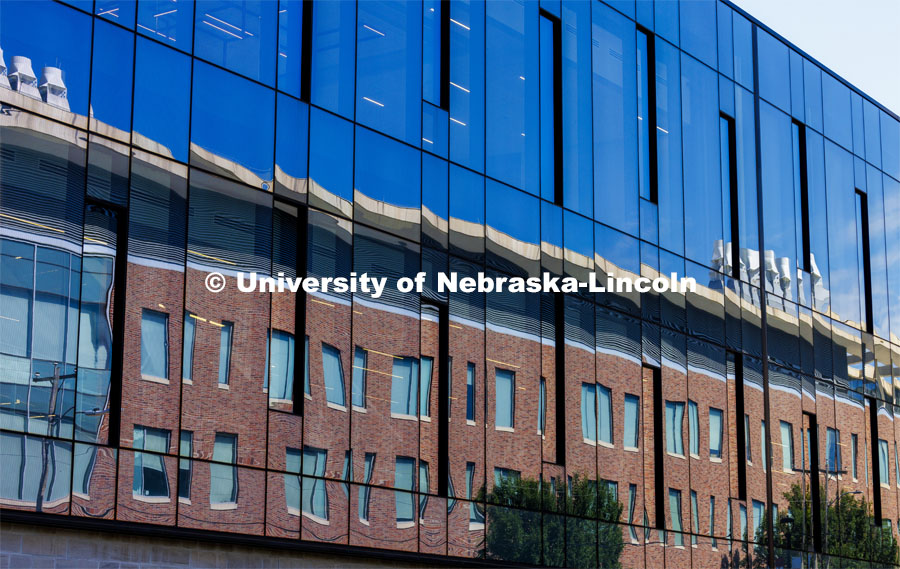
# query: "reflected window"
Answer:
x=632 y=421
x=504 y=411
x=185 y=451
x=712 y=521
x=306 y=390
x=404 y=479
x=675 y=514
x=787 y=447
x=883 y=463
x=470 y=391
x=190 y=332
x=675 y=427
x=896 y=466
x=333 y=372
x=832 y=443
x=695 y=518
x=715 y=433
x=150 y=479
x=506 y=476
x=292 y=463
x=226 y=330
x=694 y=428
x=365 y=491
x=423 y=488
x=238 y=35
x=542 y=407
x=347 y=472
x=759 y=510
x=154 y=344
x=314 y=497
x=358 y=395
x=854 y=455
x=404 y=386
x=763 y=446
x=589 y=412
x=426 y=366
x=169 y=22
x=604 y=411
x=223 y=487
x=279 y=378
x=632 y=504
x=475 y=514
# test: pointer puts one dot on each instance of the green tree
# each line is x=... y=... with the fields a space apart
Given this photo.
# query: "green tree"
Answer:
x=849 y=531
x=530 y=522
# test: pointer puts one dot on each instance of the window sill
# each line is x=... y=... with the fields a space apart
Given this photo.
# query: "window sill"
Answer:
x=154 y=379
x=695 y=456
x=223 y=386
x=716 y=459
x=185 y=501
x=293 y=511
x=404 y=417
x=336 y=406
x=81 y=495
x=589 y=442
x=307 y=395
x=358 y=409
x=224 y=506
x=281 y=401
x=606 y=444
x=675 y=455
x=631 y=449
x=471 y=423
x=886 y=486
x=476 y=526
x=425 y=418
x=364 y=522
x=505 y=429
x=150 y=499
x=316 y=519
x=405 y=525
x=187 y=381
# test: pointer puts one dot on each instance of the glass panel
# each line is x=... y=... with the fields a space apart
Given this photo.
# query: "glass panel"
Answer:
x=111 y=81
x=238 y=35
x=333 y=57
x=166 y=21
x=505 y=405
x=154 y=98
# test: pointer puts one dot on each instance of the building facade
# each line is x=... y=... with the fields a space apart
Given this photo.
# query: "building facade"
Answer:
x=146 y=146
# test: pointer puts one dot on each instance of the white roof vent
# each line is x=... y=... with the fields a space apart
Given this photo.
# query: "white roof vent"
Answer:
x=53 y=89
x=4 y=80
x=21 y=77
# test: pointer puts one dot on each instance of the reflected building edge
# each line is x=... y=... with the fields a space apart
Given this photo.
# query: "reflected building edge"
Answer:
x=561 y=430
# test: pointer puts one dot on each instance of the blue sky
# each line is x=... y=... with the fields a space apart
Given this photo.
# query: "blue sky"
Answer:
x=858 y=40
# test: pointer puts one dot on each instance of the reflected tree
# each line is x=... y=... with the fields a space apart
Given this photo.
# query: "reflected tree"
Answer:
x=577 y=527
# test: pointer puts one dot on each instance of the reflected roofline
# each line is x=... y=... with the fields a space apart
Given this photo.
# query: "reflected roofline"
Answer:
x=812 y=59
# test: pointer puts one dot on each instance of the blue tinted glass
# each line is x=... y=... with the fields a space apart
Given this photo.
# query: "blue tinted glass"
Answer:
x=873 y=133
x=513 y=228
x=725 y=41
x=387 y=184
x=668 y=147
x=467 y=83
x=878 y=239
x=578 y=238
x=702 y=188
x=548 y=109
x=233 y=143
x=512 y=141
x=798 y=104
x=776 y=143
x=578 y=180
x=240 y=35
x=859 y=138
x=62 y=40
x=836 y=104
x=745 y=142
x=644 y=13
x=842 y=245
x=625 y=6
x=892 y=228
x=890 y=145
x=818 y=219
x=291 y=132
x=466 y=213
x=743 y=50
x=698 y=30
x=118 y=11
x=388 y=78
x=726 y=96
x=434 y=129
x=435 y=202
x=774 y=71
x=812 y=87
x=333 y=57
x=111 y=80
x=330 y=162
x=169 y=22
x=614 y=82
x=290 y=45
x=154 y=99
x=643 y=44
x=431 y=51
x=666 y=14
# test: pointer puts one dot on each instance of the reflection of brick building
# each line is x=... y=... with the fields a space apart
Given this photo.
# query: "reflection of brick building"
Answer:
x=647 y=430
